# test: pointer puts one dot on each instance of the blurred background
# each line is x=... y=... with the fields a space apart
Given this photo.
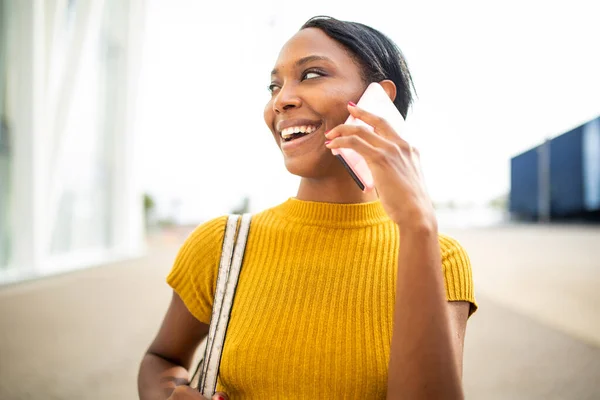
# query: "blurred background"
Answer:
x=125 y=123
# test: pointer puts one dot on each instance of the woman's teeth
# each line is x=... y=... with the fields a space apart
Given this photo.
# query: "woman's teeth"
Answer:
x=289 y=133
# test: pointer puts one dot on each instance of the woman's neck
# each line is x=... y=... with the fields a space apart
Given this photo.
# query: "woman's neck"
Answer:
x=333 y=190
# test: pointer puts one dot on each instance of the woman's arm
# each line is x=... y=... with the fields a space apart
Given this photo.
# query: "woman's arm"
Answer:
x=428 y=333
x=166 y=363
x=425 y=355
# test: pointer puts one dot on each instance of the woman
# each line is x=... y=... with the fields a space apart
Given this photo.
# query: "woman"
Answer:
x=343 y=293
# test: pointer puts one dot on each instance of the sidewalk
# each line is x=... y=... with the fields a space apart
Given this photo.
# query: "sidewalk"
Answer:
x=82 y=335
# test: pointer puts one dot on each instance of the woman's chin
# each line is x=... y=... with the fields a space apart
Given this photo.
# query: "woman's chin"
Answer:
x=301 y=169
x=310 y=165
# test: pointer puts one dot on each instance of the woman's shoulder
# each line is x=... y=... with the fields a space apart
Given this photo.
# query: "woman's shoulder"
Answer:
x=450 y=246
x=457 y=270
x=207 y=232
x=194 y=270
x=210 y=233
x=213 y=230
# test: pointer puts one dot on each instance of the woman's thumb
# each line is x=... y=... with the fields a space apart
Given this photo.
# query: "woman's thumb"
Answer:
x=219 y=396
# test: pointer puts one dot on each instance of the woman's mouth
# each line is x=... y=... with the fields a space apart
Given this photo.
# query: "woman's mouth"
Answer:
x=295 y=132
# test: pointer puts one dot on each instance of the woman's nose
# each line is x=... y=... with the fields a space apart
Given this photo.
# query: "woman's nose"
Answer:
x=285 y=99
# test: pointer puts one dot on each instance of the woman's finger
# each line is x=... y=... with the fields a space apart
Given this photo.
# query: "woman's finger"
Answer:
x=362 y=132
x=370 y=153
x=219 y=396
x=381 y=125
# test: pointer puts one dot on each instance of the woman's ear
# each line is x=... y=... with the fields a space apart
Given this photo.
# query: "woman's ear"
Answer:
x=390 y=88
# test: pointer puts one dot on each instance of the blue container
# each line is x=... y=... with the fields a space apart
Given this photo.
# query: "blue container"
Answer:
x=569 y=182
x=566 y=174
x=591 y=165
x=523 y=199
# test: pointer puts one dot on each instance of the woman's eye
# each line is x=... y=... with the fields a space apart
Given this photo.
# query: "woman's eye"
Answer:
x=272 y=87
x=312 y=75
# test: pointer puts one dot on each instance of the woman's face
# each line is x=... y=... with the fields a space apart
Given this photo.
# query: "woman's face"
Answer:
x=313 y=80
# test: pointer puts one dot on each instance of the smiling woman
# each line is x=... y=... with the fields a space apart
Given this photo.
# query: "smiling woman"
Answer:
x=343 y=293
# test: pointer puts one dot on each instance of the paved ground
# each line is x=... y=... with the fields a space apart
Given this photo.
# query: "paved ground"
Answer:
x=536 y=336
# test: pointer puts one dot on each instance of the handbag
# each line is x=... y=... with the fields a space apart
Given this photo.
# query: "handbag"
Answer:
x=211 y=348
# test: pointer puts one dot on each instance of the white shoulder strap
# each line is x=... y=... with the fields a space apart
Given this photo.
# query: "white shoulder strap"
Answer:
x=227 y=280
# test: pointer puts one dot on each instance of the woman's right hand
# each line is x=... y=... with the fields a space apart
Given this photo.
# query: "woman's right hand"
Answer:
x=184 y=392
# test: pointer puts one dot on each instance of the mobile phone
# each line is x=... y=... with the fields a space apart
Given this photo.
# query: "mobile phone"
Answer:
x=376 y=101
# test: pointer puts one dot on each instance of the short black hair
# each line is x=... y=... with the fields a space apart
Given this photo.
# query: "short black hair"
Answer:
x=379 y=57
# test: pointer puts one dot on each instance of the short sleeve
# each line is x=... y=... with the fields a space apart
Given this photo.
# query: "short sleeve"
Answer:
x=458 y=276
x=194 y=272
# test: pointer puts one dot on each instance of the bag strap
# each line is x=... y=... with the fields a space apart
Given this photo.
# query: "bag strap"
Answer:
x=232 y=256
x=223 y=272
x=224 y=268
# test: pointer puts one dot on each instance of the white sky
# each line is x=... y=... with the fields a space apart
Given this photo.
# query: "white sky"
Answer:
x=492 y=80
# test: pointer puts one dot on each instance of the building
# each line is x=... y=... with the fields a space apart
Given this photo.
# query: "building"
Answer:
x=560 y=179
x=69 y=191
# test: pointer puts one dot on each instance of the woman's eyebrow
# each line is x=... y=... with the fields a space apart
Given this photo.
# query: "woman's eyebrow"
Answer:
x=304 y=60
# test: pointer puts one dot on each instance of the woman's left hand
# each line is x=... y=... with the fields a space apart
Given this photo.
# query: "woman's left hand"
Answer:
x=395 y=166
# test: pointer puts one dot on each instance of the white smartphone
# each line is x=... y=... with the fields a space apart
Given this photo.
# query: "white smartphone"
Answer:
x=376 y=101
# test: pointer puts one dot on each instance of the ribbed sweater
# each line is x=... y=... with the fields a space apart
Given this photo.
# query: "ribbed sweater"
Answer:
x=313 y=312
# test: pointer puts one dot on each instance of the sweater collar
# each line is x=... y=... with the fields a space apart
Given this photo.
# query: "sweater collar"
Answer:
x=333 y=214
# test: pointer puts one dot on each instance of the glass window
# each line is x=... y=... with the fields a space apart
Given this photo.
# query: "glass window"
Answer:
x=81 y=181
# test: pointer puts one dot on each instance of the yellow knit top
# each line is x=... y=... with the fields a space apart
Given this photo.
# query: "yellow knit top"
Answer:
x=312 y=316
